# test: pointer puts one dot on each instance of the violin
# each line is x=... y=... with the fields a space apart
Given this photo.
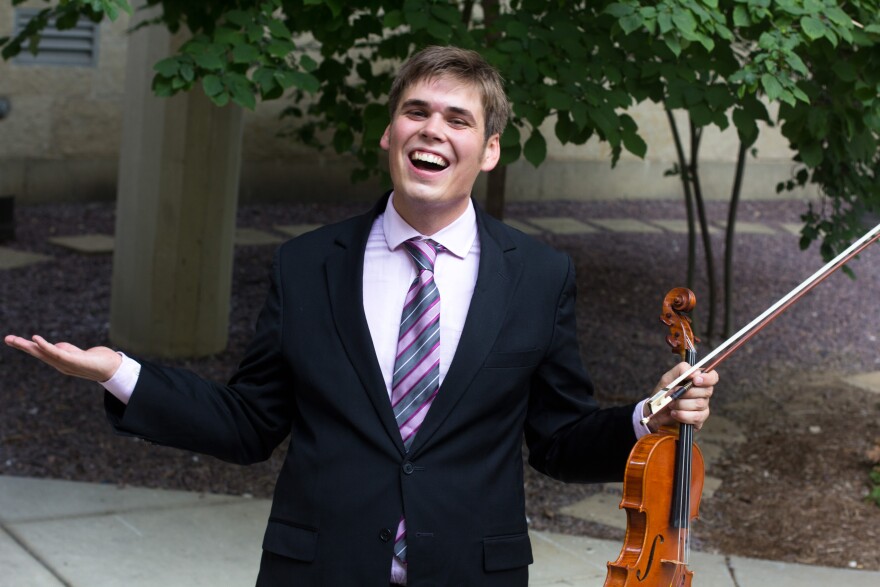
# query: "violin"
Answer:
x=657 y=543
x=656 y=546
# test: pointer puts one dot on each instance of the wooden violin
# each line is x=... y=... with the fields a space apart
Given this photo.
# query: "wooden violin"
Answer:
x=656 y=546
x=663 y=483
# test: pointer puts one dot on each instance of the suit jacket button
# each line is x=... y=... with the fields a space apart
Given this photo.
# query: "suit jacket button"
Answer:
x=408 y=468
x=385 y=535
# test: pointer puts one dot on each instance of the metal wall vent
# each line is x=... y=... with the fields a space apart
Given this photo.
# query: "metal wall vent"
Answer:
x=72 y=47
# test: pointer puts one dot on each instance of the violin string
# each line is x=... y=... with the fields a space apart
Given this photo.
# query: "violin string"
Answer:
x=688 y=442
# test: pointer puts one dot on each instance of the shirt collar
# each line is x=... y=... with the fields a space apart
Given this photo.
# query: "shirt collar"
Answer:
x=457 y=238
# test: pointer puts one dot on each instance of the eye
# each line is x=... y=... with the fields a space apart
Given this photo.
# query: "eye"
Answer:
x=458 y=122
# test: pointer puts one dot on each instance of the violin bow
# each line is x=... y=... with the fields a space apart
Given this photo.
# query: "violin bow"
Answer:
x=666 y=395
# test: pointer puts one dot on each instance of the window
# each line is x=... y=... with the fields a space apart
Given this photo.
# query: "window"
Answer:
x=74 y=47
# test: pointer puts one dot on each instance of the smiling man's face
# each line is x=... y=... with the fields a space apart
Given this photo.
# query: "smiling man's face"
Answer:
x=436 y=148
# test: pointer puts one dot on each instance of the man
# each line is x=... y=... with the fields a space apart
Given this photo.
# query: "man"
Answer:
x=405 y=460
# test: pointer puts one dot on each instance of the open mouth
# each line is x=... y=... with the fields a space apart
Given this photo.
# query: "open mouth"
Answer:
x=428 y=161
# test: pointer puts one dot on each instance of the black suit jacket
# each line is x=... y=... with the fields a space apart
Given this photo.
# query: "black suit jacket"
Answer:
x=311 y=373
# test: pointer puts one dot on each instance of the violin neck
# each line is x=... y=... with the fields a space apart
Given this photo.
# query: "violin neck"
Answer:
x=681 y=489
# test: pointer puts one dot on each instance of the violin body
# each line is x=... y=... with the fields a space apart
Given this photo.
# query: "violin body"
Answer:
x=654 y=550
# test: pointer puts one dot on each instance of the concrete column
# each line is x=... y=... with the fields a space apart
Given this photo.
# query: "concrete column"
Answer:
x=175 y=220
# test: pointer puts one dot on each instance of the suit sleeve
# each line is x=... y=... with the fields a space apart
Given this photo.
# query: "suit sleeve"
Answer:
x=569 y=437
x=242 y=421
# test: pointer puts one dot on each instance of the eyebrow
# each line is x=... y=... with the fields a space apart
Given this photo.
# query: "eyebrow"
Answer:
x=454 y=109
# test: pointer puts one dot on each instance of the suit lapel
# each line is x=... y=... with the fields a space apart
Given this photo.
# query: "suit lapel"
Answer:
x=499 y=273
x=344 y=269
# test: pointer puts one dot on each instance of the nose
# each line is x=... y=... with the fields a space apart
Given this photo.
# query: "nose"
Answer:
x=433 y=127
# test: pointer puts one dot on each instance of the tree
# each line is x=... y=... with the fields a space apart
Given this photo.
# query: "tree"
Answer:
x=578 y=64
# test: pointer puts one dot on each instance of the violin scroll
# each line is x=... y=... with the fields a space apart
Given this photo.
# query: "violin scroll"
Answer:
x=677 y=303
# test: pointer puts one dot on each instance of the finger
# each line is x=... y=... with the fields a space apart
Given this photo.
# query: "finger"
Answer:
x=25 y=345
x=695 y=418
x=705 y=379
x=67 y=347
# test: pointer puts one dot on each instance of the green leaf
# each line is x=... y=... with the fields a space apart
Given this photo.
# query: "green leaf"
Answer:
x=307 y=63
x=239 y=18
x=227 y=36
x=243 y=95
x=209 y=61
x=245 y=54
x=813 y=27
x=564 y=127
x=771 y=86
x=618 y=10
x=279 y=29
x=557 y=99
x=212 y=85
x=280 y=48
x=746 y=127
x=811 y=154
x=392 y=19
x=631 y=23
x=300 y=79
x=162 y=86
x=187 y=72
x=535 y=149
x=838 y=16
x=741 y=16
x=168 y=67
x=375 y=121
x=684 y=20
x=635 y=144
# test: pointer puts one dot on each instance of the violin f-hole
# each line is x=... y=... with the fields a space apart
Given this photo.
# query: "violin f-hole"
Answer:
x=642 y=576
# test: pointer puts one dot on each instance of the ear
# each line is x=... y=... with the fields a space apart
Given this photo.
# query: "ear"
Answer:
x=491 y=153
x=385 y=141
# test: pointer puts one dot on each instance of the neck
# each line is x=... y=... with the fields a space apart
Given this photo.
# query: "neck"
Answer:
x=430 y=219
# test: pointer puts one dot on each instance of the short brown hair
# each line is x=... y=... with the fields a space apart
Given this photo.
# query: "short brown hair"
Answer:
x=462 y=65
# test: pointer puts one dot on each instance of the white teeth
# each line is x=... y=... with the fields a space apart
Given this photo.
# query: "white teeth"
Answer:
x=429 y=158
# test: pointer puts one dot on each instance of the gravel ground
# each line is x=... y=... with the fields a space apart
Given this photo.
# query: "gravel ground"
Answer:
x=794 y=491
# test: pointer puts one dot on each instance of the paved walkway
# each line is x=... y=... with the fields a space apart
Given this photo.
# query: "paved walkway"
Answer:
x=62 y=533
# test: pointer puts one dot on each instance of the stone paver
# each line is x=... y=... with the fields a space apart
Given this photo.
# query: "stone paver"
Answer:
x=679 y=226
x=155 y=547
x=296 y=229
x=253 y=236
x=20 y=568
x=24 y=499
x=624 y=225
x=759 y=573
x=602 y=508
x=89 y=244
x=13 y=259
x=791 y=228
x=522 y=226
x=748 y=227
x=867 y=381
x=562 y=225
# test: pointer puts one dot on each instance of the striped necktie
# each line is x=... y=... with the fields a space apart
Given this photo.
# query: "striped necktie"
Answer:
x=416 y=377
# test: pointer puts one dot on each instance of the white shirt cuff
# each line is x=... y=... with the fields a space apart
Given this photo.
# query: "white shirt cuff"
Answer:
x=121 y=385
x=639 y=428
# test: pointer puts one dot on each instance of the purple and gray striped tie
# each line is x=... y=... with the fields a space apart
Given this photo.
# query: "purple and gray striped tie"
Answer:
x=416 y=377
